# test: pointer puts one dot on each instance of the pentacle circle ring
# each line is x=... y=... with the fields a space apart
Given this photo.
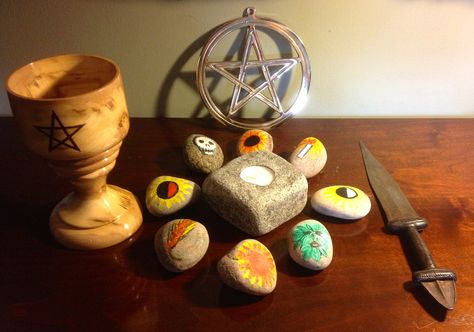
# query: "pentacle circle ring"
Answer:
x=251 y=60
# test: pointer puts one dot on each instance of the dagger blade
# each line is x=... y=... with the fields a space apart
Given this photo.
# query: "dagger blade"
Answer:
x=402 y=219
x=395 y=204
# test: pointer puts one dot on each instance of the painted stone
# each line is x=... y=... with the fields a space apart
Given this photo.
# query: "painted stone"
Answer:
x=180 y=244
x=309 y=156
x=256 y=202
x=254 y=140
x=343 y=202
x=167 y=194
x=310 y=245
x=249 y=267
x=202 y=154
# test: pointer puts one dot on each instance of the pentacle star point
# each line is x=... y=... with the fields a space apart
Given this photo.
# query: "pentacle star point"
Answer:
x=59 y=134
x=263 y=65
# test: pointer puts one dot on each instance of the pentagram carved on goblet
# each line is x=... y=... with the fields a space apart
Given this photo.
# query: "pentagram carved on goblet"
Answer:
x=71 y=110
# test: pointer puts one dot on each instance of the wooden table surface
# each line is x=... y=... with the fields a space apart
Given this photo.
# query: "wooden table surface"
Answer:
x=367 y=287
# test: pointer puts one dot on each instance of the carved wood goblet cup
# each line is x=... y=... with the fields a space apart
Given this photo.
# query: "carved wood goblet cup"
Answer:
x=71 y=110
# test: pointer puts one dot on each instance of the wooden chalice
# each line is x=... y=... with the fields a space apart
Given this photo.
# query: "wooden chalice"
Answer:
x=71 y=110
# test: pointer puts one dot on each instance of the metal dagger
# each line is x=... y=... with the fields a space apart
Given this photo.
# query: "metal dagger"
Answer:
x=404 y=221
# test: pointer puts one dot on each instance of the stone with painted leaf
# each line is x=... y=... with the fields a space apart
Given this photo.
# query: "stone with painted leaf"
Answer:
x=309 y=156
x=202 y=154
x=180 y=244
x=310 y=245
x=249 y=267
x=343 y=202
x=168 y=194
x=254 y=140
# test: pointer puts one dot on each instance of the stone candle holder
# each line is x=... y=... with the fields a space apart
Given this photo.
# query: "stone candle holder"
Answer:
x=256 y=192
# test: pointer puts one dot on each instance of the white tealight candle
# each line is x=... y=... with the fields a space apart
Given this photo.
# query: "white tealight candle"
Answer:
x=259 y=175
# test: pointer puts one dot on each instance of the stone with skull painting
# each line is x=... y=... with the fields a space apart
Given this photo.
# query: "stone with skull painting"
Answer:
x=202 y=154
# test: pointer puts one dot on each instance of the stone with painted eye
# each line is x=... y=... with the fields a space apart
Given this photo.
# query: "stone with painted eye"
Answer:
x=202 y=154
x=168 y=194
x=343 y=202
x=180 y=244
x=249 y=267
x=310 y=245
x=309 y=156
x=254 y=140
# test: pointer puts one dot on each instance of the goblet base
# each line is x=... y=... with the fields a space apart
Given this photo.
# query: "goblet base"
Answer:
x=117 y=230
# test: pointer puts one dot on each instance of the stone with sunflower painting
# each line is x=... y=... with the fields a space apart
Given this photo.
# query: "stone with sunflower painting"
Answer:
x=309 y=156
x=180 y=244
x=202 y=154
x=249 y=267
x=310 y=245
x=344 y=202
x=254 y=140
x=168 y=194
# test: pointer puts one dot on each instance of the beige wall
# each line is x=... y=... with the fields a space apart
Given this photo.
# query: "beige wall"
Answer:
x=368 y=57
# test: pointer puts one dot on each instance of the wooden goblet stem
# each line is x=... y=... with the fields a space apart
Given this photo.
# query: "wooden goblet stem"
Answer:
x=102 y=213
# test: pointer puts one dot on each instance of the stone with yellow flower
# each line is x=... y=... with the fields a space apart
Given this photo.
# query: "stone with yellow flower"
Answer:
x=180 y=244
x=309 y=156
x=345 y=202
x=249 y=267
x=168 y=194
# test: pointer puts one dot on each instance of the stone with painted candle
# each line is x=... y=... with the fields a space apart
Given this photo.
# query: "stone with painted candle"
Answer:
x=249 y=267
x=310 y=245
x=202 y=154
x=254 y=140
x=309 y=156
x=343 y=202
x=180 y=244
x=256 y=192
x=168 y=194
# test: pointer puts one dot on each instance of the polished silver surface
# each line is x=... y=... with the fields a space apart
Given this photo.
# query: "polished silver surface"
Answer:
x=271 y=71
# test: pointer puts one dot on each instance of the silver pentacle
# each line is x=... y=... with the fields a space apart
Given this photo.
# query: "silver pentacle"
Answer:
x=256 y=79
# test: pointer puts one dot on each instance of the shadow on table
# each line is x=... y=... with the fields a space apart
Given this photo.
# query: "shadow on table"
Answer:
x=433 y=308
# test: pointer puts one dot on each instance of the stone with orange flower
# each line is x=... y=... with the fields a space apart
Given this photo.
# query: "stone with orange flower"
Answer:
x=254 y=140
x=309 y=156
x=249 y=267
x=180 y=244
x=168 y=194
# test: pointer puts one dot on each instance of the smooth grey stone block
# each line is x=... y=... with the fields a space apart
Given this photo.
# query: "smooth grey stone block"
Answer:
x=254 y=208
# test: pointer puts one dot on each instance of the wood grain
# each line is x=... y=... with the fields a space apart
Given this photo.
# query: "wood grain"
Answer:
x=44 y=286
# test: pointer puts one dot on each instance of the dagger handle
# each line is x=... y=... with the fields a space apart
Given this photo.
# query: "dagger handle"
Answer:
x=429 y=271
x=419 y=248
